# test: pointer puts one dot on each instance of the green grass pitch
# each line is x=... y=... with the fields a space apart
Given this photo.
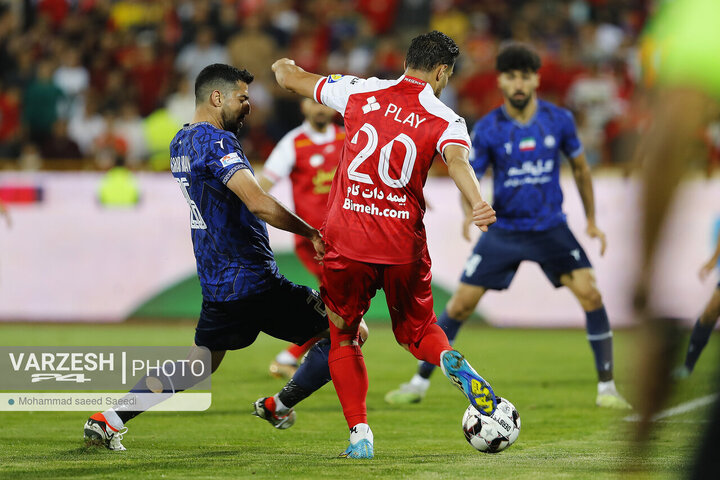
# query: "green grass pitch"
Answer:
x=547 y=374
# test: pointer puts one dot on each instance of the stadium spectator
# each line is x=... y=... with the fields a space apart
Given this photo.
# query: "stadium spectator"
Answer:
x=58 y=145
x=202 y=52
x=112 y=40
x=129 y=127
x=73 y=79
x=10 y=126
x=86 y=127
x=40 y=102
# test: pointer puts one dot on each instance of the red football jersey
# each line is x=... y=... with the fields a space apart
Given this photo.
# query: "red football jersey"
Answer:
x=394 y=128
x=309 y=158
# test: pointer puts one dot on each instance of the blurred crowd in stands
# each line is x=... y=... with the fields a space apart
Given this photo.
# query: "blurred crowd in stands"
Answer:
x=111 y=81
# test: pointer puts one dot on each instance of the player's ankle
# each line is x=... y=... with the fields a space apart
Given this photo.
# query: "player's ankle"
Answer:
x=361 y=431
x=607 y=387
x=419 y=382
x=113 y=419
x=280 y=407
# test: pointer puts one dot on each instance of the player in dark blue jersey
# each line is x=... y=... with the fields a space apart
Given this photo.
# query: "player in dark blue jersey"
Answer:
x=523 y=141
x=705 y=324
x=243 y=292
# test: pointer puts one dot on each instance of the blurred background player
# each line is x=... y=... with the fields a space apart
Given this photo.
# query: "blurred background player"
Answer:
x=243 y=291
x=374 y=232
x=522 y=141
x=685 y=39
x=705 y=324
x=309 y=155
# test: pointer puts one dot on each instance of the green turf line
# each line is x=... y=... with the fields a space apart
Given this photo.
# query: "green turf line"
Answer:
x=183 y=299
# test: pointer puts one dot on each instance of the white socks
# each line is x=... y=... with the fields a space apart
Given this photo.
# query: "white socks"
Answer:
x=419 y=382
x=361 y=431
x=113 y=419
x=280 y=408
x=608 y=387
x=285 y=358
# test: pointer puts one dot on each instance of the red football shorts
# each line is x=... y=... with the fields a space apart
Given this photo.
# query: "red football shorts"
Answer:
x=348 y=285
x=305 y=251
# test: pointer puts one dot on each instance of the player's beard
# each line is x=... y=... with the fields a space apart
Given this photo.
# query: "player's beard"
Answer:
x=320 y=123
x=519 y=103
x=232 y=123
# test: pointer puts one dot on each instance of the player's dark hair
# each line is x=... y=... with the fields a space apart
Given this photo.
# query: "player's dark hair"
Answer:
x=429 y=50
x=219 y=76
x=517 y=56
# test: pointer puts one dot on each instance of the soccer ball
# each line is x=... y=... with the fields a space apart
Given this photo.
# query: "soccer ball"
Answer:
x=492 y=434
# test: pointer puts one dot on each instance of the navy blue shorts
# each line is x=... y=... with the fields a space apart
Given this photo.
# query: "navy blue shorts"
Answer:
x=498 y=254
x=287 y=311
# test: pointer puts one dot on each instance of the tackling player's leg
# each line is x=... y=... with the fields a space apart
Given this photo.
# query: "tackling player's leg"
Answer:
x=581 y=283
x=312 y=375
x=108 y=428
x=286 y=362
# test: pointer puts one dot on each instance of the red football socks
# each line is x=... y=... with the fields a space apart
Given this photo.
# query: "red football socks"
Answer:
x=431 y=345
x=347 y=369
x=298 y=351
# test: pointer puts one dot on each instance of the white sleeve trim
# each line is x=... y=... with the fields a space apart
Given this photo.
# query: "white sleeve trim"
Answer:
x=282 y=159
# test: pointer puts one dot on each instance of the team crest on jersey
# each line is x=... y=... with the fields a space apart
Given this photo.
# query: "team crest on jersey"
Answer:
x=230 y=159
x=334 y=77
x=316 y=160
x=549 y=141
x=527 y=144
x=371 y=105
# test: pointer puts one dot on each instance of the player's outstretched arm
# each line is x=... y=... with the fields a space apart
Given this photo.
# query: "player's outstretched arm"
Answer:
x=583 y=179
x=464 y=177
x=265 y=183
x=267 y=208
x=467 y=211
x=293 y=78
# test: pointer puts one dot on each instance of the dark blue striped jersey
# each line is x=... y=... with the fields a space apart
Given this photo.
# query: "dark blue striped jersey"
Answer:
x=232 y=249
x=525 y=159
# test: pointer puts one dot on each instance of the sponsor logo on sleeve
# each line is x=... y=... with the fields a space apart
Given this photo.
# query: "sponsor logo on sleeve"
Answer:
x=334 y=77
x=230 y=159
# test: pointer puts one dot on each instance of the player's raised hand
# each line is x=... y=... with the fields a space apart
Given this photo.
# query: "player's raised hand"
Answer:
x=708 y=268
x=594 y=232
x=282 y=61
x=319 y=245
x=483 y=215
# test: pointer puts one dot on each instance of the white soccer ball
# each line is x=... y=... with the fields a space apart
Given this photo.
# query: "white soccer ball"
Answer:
x=492 y=434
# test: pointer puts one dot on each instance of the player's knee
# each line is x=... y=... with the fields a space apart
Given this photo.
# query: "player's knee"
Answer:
x=460 y=309
x=591 y=299
x=711 y=313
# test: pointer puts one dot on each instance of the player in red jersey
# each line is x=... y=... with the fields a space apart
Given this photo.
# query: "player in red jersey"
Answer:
x=309 y=155
x=374 y=232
